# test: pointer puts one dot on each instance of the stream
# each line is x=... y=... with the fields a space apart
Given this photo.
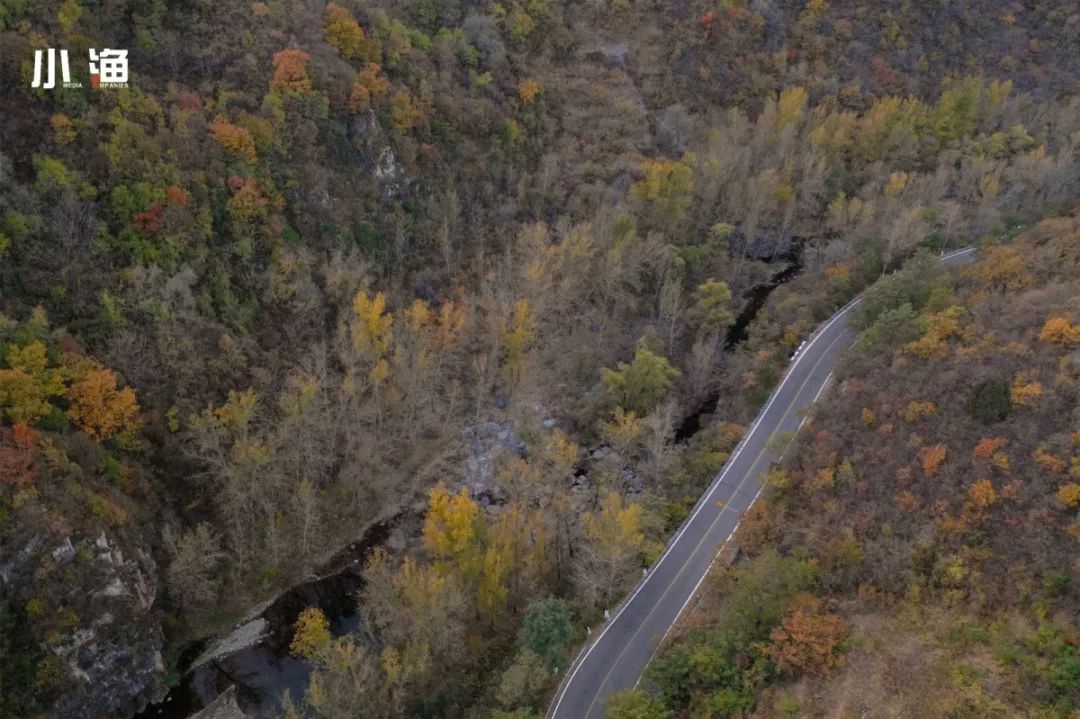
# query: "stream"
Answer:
x=263 y=671
x=266 y=669
x=755 y=298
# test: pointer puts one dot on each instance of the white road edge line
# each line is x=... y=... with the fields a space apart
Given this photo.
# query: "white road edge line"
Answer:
x=693 y=593
x=567 y=680
x=705 y=497
x=720 y=549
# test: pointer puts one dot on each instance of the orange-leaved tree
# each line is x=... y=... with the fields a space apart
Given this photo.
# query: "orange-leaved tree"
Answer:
x=1048 y=461
x=234 y=138
x=987 y=446
x=1059 y=331
x=808 y=640
x=17 y=454
x=931 y=458
x=369 y=84
x=96 y=405
x=528 y=90
x=290 y=72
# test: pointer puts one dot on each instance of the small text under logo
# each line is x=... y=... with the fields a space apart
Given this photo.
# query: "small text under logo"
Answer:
x=108 y=69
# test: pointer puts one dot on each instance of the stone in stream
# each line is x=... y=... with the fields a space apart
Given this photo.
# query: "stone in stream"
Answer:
x=246 y=635
x=224 y=707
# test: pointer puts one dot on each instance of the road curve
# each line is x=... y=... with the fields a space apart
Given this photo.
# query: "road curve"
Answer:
x=617 y=657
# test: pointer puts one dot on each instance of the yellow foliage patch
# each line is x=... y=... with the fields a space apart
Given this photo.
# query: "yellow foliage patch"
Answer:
x=233 y=138
x=529 y=90
x=343 y=31
x=452 y=526
x=28 y=383
x=1069 y=494
x=1024 y=393
x=1048 y=461
x=312 y=633
x=1059 y=331
x=918 y=409
x=373 y=327
x=982 y=493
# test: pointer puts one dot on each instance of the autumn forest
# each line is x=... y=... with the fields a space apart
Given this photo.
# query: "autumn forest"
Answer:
x=406 y=333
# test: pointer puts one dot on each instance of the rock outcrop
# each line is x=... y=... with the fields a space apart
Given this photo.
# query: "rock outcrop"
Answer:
x=88 y=622
x=485 y=443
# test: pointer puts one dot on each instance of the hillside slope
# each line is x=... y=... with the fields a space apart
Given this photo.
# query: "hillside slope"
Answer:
x=323 y=261
x=917 y=552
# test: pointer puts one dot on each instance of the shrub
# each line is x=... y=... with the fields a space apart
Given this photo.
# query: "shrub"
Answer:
x=547 y=632
x=1064 y=676
x=990 y=402
x=635 y=704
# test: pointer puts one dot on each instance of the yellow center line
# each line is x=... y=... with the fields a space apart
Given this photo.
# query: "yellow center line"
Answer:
x=671 y=585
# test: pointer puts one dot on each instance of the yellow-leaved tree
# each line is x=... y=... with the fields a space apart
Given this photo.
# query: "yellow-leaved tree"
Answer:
x=343 y=31
x=1059 y=331
x=453 y=530
x=608 y=563
x=29 y=383
x=667 y=186
x=982 y=493
x=311 y=634
x=623 y=432
x=419 y=610
x=1025 y=392
x=373 y=328
x=516 y=339
x=371 y=332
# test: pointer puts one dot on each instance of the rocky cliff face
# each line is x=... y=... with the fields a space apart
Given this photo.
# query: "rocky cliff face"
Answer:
x=83 y=608
x=485 y=444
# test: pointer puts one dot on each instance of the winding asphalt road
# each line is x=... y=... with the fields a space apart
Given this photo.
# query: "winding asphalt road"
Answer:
x=617 y=657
